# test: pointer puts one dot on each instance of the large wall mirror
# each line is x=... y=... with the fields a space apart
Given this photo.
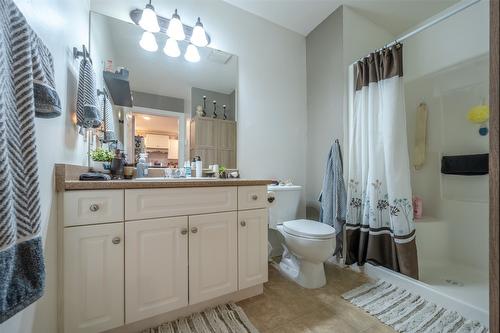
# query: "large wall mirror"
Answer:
x=172 y=109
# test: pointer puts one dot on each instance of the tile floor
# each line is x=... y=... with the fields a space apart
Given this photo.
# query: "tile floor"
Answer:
x=285 y=307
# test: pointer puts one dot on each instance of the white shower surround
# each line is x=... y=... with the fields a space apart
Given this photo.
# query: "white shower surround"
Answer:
x=452 y=242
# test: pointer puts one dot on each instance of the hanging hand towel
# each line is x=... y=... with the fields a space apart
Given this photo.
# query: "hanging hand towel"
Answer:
x=23 y=64
x=108 y=117
x=419 y=152
x=333 y=196
x=87 y=111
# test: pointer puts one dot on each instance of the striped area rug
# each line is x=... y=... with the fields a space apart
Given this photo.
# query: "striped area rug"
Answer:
x=227 y=318
x=406 y=312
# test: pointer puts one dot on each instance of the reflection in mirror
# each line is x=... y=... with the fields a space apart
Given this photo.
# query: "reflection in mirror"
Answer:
x=171 y=109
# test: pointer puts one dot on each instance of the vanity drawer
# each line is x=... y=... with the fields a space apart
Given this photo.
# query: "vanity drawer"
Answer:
x=92 y=207
x=165 y=202
x=252 y=197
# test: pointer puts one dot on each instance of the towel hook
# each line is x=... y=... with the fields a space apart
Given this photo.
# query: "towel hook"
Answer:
x=84 y=53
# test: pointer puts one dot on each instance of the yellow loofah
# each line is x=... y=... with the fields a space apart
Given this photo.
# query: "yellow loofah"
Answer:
x=479 y=114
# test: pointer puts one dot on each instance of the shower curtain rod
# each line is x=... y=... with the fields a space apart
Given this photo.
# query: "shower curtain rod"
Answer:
x=457 y=8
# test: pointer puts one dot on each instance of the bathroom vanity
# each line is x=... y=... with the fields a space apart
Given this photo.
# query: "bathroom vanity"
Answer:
x=144 y=252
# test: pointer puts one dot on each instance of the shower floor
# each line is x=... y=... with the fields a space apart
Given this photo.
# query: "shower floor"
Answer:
x=466 y=284
x=459 y=288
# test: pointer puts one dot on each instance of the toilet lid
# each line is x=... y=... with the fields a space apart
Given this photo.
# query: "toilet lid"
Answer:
x=309 y=229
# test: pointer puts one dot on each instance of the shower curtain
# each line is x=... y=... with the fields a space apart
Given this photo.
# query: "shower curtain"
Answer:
x=380 y=227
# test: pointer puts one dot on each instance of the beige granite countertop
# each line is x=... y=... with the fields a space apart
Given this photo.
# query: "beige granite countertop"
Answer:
x=67 y=180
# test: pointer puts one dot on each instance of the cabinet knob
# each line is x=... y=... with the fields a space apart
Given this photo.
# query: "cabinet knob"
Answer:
x=194 y=230
x=94 y=207
x=116 y=240
x=255 y=197
x=243 y=223
x=184 y=231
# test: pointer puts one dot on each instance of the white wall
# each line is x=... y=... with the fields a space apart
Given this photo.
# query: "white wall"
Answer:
x=61 y=24
x=339 y=40
x=463 y=36
x=272 y=82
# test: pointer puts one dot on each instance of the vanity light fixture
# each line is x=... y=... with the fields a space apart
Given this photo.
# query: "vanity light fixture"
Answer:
x=175 y=28
x=192 y=54
x=148 y=42
x=172 y=48
x=199 y=37
x=149 y=21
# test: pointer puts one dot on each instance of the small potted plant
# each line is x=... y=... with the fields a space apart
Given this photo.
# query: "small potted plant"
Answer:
x=222 y=172
x=103 y=156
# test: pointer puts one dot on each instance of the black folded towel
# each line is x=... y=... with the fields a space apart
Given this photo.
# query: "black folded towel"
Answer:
x=465 y=165
x=91 y=176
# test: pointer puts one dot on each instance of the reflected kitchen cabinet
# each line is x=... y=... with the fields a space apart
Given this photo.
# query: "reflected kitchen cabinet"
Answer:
x=214 y=140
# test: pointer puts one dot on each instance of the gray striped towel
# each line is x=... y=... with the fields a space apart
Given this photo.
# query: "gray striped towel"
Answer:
x=333 y=196
x=108 y=117
x=87 y=110
x=23 y=61
x=47 y=103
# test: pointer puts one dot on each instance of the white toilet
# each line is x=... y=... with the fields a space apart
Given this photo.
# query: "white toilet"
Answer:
x=308 y=243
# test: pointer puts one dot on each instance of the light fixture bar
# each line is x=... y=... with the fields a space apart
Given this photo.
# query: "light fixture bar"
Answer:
x=136 y=14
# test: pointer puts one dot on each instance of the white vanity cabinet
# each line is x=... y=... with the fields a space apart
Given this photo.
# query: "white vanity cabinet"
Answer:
x=213 y=253
x=252 y=247
x=93 y=278
x=151 y=252
x=156 y=266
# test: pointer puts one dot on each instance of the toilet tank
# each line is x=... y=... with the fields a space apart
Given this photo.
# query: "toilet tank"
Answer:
x=285 y=206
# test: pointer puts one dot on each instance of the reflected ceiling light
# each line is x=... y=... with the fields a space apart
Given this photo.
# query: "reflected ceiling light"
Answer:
x=172 y=48
x=199 y=37
x=192 y=54
x=175 y=28
x=148 y=42
x=149 y=21
x=146 y=117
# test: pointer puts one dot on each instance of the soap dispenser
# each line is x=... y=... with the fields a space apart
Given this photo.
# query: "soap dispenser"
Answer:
x=199 y=167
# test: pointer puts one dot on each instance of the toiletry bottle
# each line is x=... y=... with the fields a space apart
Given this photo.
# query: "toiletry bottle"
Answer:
x=199 y=167
x=187 y=167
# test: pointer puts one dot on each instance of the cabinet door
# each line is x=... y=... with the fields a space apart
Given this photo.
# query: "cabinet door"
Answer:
x=208 y=156
x=212 y=256
x=204 y=133
x=93 y=278
x=227 y=135
x=227 y=158
x=156 y=267
x=252 y=247
x=173 y=149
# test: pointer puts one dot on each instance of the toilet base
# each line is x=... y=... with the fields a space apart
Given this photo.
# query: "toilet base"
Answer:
x=309 y=275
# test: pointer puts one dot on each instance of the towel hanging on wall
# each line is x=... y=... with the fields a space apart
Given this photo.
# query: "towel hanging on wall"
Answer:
x=333 y=197
x=87 y=110
x=25 y=62
x=419 y=152
x=108 y=118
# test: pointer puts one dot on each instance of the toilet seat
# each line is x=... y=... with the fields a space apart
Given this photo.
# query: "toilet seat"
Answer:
x=309 y=229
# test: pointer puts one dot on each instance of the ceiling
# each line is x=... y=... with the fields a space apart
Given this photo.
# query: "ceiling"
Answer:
x=150 y=123
x=302 y=16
